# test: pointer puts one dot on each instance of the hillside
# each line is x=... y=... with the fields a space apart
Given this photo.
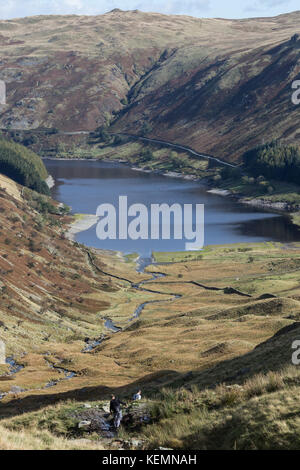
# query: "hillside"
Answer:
x=216 y=85
x=218 y=336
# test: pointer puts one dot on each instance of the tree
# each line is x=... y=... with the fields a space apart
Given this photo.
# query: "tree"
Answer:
x=274 y=160
x=102 y=134
x=23 y=166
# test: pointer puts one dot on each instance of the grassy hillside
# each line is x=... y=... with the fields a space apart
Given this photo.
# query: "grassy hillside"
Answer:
x=216 y=85
x=214 y=364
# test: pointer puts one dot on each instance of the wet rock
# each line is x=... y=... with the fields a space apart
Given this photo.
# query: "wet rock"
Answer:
x=136 y=415
x=99 y=421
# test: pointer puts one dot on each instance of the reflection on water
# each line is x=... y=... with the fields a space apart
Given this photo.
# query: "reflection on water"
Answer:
x=84 y=185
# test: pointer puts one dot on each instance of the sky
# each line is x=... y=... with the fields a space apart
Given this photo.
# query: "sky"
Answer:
x=199 y=8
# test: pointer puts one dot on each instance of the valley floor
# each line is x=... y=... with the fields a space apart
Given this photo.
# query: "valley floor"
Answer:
x=212 y=353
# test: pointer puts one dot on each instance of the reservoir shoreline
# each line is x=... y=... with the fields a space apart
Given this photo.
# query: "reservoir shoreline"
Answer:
x=282 y=208
x=83 y=185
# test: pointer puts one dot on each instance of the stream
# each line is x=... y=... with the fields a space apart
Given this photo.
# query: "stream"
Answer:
x=142 y=263
x=14 y=368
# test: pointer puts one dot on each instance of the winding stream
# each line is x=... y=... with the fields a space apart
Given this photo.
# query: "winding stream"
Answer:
x=15 y=367
x=142 y=263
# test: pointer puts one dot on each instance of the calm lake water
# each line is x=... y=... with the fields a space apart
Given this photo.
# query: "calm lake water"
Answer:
x=84 y=185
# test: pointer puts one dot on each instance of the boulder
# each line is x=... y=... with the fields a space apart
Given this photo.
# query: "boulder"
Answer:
x=106 y=408
x=84 y=424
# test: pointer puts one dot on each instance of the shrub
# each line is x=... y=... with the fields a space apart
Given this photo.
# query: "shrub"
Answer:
x=147 y=155
x=230 y=173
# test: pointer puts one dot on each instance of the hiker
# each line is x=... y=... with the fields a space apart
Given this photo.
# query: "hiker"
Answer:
x=115 y=409
x=138 y=395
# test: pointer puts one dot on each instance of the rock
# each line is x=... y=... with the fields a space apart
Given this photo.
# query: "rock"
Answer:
x=133 y=444
x=87 y=405
x=136 y=443
x=105 y=408
x=98 y=421
x=84 y=424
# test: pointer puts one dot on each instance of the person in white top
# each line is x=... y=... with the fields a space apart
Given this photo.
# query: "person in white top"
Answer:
x=138 y=395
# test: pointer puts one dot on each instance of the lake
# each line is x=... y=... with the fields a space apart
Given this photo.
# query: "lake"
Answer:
x=84 y=184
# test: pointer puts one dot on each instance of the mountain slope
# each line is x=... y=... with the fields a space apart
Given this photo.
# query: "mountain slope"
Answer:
x=217 y=85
